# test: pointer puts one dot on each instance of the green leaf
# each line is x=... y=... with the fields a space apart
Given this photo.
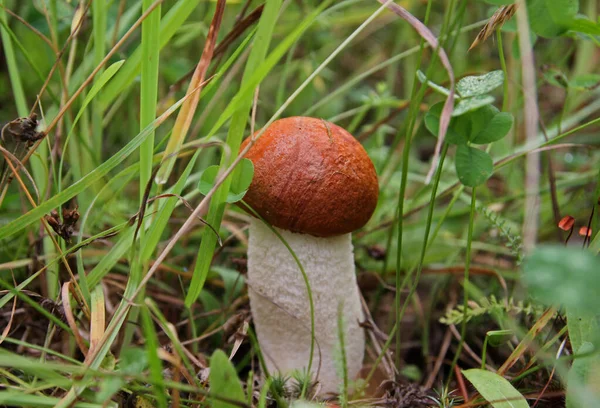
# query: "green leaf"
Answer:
x=98 y=85
x=133 y=361
x=497 y=127
x=239 y=187
x=584 y=326
x=473 y=166
x=233 y=282
x=479 y=85
x=551 y=18
x=586 y=82
x=497 y=338
x=499 y=2
x=432 y=123
x=584 y=377
x=481 y=126
x=471 y=104
x=495 y=389
x=224 y=381
x=556 y=77
x=582 y=24
x=108 y=387
x=566 y=276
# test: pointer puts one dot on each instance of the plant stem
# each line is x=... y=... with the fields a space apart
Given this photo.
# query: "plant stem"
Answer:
x=463 y=328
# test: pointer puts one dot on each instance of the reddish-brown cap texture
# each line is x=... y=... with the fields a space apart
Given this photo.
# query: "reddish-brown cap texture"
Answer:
x=311 y=177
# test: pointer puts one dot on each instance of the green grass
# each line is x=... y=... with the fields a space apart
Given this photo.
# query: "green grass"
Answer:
x=128 y=133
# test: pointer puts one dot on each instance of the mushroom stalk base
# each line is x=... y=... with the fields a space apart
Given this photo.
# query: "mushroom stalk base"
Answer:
x=280 y=306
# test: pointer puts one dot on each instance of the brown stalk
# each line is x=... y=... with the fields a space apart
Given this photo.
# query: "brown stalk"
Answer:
x=531 y=113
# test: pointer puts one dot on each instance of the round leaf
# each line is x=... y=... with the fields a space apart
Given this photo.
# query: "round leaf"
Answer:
x=473 y=166
x=471 y=104
x=551 y=18
x=498 y=127
x=242 y=179
x=479 y=85
x=432 y=123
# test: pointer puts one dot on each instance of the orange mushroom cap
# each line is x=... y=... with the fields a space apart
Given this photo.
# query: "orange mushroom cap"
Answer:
x=311 y=177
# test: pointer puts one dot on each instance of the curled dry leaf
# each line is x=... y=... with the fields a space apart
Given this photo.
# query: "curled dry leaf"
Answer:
x=66 y=300
x=501 y=16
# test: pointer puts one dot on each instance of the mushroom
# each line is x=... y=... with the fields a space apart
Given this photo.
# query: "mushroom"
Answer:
x=315 y=184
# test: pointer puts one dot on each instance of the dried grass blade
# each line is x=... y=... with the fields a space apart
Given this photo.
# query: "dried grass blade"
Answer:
x=9 y=156
x=12 y=315
x=188 y=109
x=98 y=316
x=71 y=318
x=527 y=340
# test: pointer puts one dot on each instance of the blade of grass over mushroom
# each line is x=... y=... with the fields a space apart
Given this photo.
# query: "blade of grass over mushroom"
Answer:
x=187 y=111
x=256 y=69
x=81 y=185
x=311 y=303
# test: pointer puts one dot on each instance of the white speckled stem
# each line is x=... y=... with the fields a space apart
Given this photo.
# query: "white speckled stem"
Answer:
x=280 y=307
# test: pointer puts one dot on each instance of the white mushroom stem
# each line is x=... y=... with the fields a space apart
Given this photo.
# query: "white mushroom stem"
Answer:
x=280 y=306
